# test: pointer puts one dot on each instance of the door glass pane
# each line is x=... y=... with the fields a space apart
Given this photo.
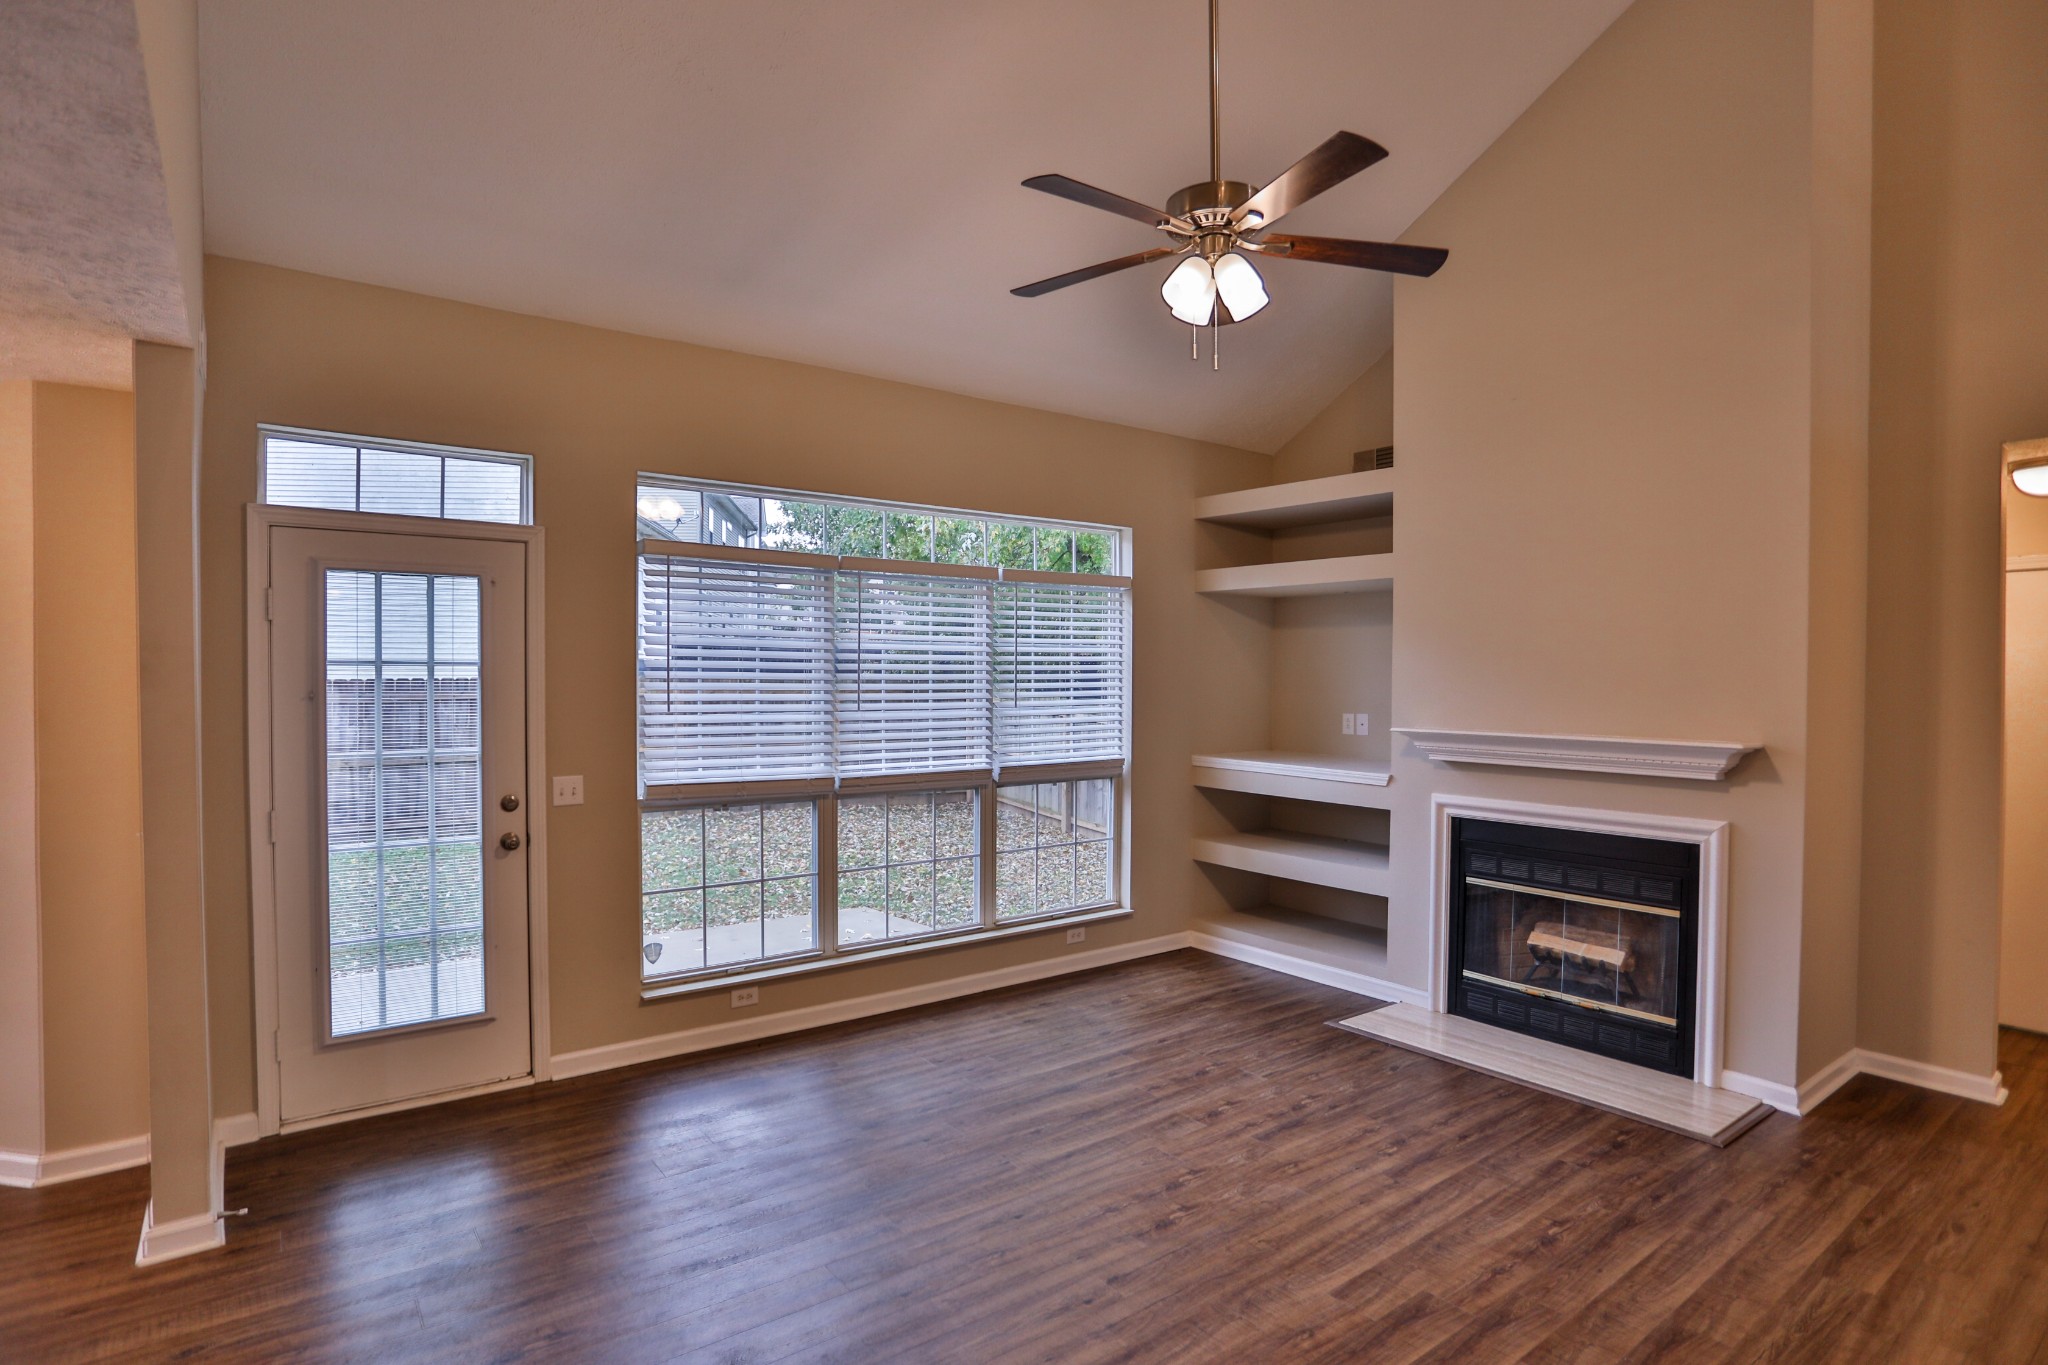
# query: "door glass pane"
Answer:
x=404 y=800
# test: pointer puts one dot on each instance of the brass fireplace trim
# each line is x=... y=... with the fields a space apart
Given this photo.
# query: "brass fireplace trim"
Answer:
x=1560 y=895
x=1578 y=1000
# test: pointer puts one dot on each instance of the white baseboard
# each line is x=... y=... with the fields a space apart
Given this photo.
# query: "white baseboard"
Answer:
x=1815 y=1090
x=1358 y=983
x=78 y=1162
x=634 y=1051
x=1987 y=1089
x=1783 y=1098
x=235 y=1130
x=183 y=1237
x=27 y=1170
x=18 y=1170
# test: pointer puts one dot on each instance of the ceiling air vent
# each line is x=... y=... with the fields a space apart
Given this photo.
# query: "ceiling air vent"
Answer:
x=1362 y=460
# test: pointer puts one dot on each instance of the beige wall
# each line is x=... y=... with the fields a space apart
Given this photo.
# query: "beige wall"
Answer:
x=594 y=407
x=21 y=954
x=1359 y=418
x=1960 y=326
x=1604 y=420
x=73 y=1040
x=95 y=987
x=1838 y=532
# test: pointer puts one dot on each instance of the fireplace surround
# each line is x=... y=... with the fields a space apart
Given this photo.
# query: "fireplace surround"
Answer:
x=1696 y=1034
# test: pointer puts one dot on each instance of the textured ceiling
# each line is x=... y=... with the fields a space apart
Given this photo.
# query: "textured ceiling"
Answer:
x=87 y=258
x=837 y=183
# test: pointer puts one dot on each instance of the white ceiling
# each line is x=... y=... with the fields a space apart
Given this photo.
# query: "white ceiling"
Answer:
x=87 y=259
x=838 y=183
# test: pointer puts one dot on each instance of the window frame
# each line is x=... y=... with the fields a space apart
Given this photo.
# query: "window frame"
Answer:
x=360 y=443
x=827 y=792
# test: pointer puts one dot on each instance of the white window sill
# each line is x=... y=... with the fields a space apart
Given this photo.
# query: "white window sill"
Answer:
x=720 y=979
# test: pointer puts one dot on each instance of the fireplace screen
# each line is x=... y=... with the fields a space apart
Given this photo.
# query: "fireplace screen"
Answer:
x=1606 y=954
x=1582 y=938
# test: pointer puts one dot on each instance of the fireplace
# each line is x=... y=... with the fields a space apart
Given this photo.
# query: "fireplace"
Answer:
x=1579 y=937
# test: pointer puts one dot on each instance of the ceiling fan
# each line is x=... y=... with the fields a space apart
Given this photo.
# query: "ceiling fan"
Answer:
x=1214 y=222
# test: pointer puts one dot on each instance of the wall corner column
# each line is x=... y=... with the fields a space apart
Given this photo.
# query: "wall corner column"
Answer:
x=185 y=1163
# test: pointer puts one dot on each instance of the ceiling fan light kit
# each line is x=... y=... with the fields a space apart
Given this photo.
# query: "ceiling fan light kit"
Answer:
x=1214 y=223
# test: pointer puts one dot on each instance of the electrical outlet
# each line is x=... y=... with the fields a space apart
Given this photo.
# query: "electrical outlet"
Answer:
x=750 y=995
x=1350 y=727
x=569 y=791
x=1077 y=935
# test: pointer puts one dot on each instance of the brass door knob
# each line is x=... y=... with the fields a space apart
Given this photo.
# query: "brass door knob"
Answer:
x=508 y=803
x=508 y=842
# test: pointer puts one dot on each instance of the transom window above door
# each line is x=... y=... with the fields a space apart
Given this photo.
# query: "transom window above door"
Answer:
x=869 y=727
x=299 y=468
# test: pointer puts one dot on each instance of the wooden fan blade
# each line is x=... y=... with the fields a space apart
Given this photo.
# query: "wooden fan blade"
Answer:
x=1067 y=188
x=1338 y=159
x=1401 y=260
x=1032 y=291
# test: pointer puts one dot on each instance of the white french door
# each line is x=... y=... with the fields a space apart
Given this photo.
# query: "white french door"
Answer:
x=399 y=778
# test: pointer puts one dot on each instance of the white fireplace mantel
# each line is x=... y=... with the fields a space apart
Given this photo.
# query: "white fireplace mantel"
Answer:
x=1697 y=760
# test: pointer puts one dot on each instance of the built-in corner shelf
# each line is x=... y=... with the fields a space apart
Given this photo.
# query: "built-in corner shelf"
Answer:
x=1310 y=502
x=1290 y=940
x=1299 y=777
x=1336 y=863
x=1301 y=577
x=1698 y=760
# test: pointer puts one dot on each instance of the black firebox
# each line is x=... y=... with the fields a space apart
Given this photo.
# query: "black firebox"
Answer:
x=1581 y=938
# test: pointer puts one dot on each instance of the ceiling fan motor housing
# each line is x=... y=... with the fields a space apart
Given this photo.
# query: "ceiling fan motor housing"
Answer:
x=1209 y=194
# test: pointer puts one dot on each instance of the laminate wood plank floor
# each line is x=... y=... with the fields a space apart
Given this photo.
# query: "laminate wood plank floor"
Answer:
x=1172 y=1160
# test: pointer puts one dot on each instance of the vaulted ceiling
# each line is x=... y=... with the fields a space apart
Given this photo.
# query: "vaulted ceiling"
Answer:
x=87 y=256
x=837 y=183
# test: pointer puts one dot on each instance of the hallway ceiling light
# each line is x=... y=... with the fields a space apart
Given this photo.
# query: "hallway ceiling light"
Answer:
x=2031 y=479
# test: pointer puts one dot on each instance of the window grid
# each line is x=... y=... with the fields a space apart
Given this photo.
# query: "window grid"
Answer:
x=891 y=867
x=774 y=519
x=360 y=474
x=379 y=765
x=1028 y=864
x=670 y=834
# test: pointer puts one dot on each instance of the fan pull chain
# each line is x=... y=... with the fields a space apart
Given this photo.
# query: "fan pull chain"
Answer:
x=1194 y=342
x=1215 y=357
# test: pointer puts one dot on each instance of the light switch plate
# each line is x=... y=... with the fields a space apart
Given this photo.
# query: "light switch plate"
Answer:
x=1364 y=726
x=569 y=791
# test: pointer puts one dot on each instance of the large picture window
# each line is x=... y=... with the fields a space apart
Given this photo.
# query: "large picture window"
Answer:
x=865 y=726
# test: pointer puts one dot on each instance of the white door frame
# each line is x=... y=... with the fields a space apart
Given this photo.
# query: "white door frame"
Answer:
x=261 y=519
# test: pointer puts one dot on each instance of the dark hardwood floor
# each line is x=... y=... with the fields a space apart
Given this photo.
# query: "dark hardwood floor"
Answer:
x=1174 y=1160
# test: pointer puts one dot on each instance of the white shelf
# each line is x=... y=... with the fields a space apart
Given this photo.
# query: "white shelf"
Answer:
x=1301 y=777
x=1360 y=949
x=1337 y=863
x=1311 y=502
x=1301 y=577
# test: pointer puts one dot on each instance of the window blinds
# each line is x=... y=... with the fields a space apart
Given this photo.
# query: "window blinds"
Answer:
x=911 y=672
x=735 y=671
x=1059 y=672
x=760 y=666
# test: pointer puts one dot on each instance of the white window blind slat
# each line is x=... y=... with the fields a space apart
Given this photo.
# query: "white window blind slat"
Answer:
x=1059 y=673
x=735 y=666
x=912 y=675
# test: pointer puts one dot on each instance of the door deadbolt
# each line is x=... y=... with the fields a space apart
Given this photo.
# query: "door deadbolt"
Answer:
x=508 y=803
x=508 y=842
